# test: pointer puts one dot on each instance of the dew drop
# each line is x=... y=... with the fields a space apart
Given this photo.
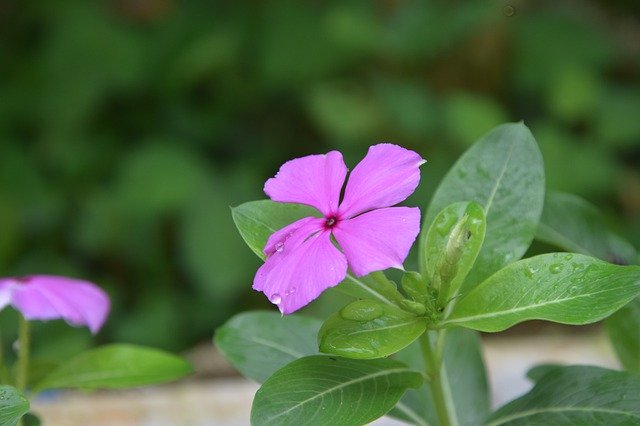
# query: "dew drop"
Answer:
x=555 y=268
x=275 y=299
x=290 y=291
x=568 y=256
x=573 y=289
x=279 y=247
x=530 y=272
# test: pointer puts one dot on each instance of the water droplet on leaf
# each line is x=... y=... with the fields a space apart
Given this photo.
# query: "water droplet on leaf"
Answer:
x=555 y=268
x=279 y=247
x=568 y=256
x=529 y=271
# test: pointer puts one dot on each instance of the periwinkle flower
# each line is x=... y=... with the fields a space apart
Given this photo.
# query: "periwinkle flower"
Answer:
x=302 y=260
x=47 y=297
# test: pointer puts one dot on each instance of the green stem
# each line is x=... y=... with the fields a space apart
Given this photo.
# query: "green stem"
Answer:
x=24 y=337
x=439 y=384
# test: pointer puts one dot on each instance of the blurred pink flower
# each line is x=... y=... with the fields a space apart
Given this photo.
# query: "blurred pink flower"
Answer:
x=47 y=297
x=301 y=259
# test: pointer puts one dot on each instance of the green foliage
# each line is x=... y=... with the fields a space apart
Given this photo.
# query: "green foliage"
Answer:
x=452 y=244
x=573 y=224
x=369 y=329
x=330 y=390
x=561 y=287
x=122 y=129
x=503 y=173
x=116 y=366
x=623 y=329
x=575 y=395
x=466 y=375
x=13 y=405
x=260 y=343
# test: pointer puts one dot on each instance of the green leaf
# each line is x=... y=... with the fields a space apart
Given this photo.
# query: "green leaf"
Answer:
x=452 y=245
x=560 y=287
x=576 y=395
x=13 y=405
x=503 y=172
x=415 y=286
x=260 y=343
x=257 y=220
x=368 y=329
x=116 y=366
x=374 y=286
x=323 y=390
x=538 y=371
x=573 y=224
x=624 y=331
x=466 y=375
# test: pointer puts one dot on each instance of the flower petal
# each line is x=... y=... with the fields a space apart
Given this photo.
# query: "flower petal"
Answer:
x=379 y=239
x=305 y=268
x=45 y=297
x=315 y=180
x=387 y=175
x=277 y=240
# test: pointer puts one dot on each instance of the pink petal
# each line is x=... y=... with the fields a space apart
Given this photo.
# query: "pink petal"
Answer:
x=387 y=175
x=277 y=240
x=46 y=297
x=315 y=180
x=308 y=264
x=379 y=239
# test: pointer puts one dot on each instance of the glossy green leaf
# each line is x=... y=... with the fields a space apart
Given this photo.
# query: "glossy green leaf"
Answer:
x=415 y=286
x=452 y=245
x=503 y=172
x=576 y=395
x=466 y=375
x=324 y=390
x=257 y=220
x=259 y=343
x=13 y=405
x=573 y=224
x=560 y=287
x=624 y=331
x=368 y=329
x=375 y=286
x=116 y=366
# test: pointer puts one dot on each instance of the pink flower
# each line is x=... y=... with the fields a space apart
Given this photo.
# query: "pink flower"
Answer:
x=301 y=259
x=47 y=297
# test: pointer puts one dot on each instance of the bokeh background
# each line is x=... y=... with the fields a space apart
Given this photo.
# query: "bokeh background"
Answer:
x=128 y=127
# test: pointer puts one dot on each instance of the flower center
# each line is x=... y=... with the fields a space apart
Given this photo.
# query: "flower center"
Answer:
x=331 y=222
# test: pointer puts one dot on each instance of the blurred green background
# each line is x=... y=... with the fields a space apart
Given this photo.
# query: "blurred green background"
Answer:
x=128 y=127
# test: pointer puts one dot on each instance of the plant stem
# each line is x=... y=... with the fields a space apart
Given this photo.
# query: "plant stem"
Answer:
x=439 y=384
x=24 y=337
